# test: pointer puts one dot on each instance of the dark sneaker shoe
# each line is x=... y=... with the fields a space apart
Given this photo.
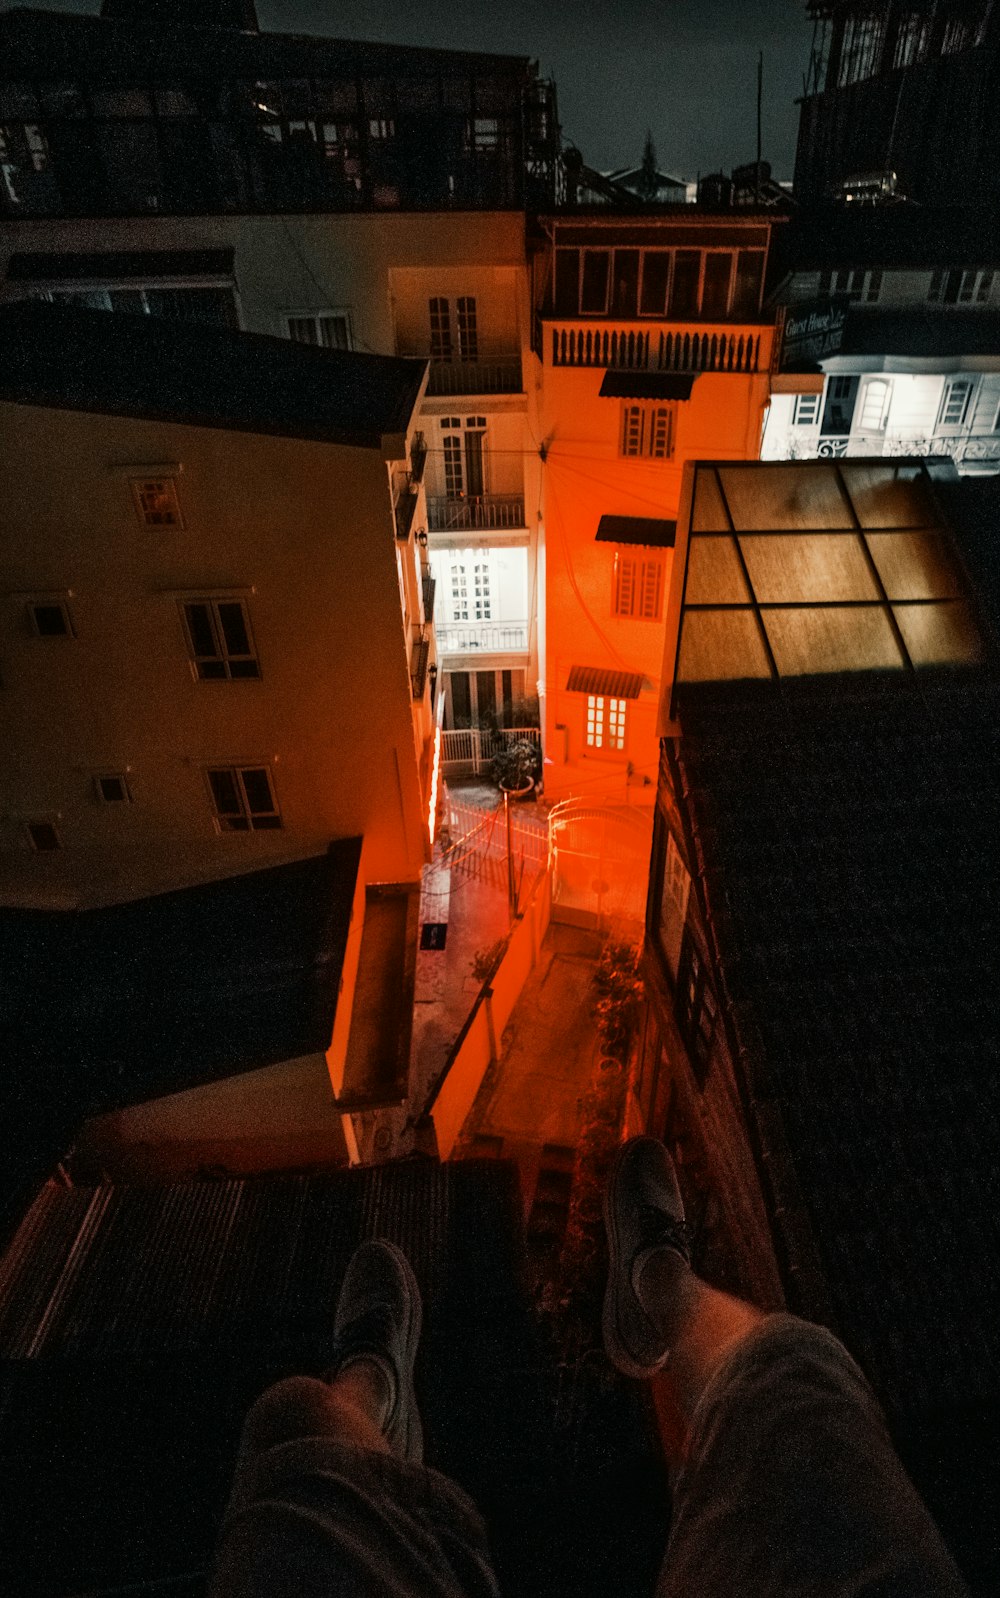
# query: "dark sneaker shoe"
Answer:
x=643 y=1211
x=378 y=1318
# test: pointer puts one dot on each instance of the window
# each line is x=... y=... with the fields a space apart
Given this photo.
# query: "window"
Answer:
x=648 y=430
x=638 y=586
x=695 y=1005
x=955 y=402
x=464 y=444
x=243 y=799
x=381 y=128
x=43 y=837
x=961 y=288
x=111 y=788
x=911 y=39
x=484 y=135
x=331 y=330
x=594 y=282
x=838 y=411
x=50 y=618
x=805 y=411
x=605 y=722
x=862 y=39
x=440 y=330
x=156 y=501
x=481 y=575
x=218 y=632
x=875 y=405
x=853 y=284
x=468 y=338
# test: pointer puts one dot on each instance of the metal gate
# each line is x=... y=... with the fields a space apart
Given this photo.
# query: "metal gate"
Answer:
x=600 y=863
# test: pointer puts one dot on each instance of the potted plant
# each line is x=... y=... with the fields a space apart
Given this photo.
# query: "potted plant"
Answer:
x=517 y=767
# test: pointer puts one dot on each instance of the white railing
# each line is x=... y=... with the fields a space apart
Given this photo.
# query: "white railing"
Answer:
x=468 y=750
x=695 y=347
x=474 y=512
x=459 y=638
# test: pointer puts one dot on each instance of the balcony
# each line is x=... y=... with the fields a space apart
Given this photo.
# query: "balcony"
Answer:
x=979 y=448
x=474 y=512
x=691 y=348
x=499 y=375
x=482 y=637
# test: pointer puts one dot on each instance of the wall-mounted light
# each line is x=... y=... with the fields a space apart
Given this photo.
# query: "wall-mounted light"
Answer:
x=422 y=538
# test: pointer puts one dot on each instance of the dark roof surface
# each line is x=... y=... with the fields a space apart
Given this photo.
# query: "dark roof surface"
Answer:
x=646 y=385
x=886 y=237
x=46 y=44
x=128 y=1420
x=151 y=367
x=654 y=532
x=105 y=1008
x=922 y=330
x=41 y=266
x=851 y=843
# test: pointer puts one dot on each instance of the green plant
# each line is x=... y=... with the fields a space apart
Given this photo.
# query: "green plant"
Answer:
x=517 y=764
x=485 y=961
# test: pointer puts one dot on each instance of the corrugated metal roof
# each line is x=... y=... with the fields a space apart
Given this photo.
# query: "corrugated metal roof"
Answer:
x=651 y=531
x=647 y=385
x=612 y=684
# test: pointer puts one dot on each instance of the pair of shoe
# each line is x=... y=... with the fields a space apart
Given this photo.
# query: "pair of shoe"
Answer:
x=379 y=1314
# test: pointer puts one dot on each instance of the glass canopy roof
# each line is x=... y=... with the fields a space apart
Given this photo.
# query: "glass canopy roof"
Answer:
x=807 y=567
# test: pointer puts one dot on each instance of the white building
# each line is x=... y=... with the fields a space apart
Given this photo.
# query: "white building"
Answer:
x=892 y=346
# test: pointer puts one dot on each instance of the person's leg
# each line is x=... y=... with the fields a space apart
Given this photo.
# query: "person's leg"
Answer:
x=330 y=1495
x=655 y=1307
x=790 y=1484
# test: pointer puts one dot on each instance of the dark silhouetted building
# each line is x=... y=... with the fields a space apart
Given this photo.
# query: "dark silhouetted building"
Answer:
x=900 y=102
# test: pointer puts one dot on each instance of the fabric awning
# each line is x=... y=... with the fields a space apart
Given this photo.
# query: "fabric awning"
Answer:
x=612 y=684
x=651 y=531
x=647 y=385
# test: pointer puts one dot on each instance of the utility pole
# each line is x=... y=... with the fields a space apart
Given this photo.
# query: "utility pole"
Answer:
x=760 y=96
x=511 y=890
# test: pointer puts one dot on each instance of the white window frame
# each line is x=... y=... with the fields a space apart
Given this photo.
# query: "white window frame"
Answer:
x=332 y=313
x=171 y=518
x=872 y=408
x=244 y=818
x=955 y=424
x=222 y=655
x=803 y=405
x=101 y=777
x=29 y=828
x=50 y=602
x=604 y=721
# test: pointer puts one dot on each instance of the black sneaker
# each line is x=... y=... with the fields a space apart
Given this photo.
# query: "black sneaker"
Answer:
x=643 y=1211
x=378 y=1318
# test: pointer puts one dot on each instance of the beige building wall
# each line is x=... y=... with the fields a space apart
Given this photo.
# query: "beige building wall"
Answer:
x=380 y=272
x=303 y=535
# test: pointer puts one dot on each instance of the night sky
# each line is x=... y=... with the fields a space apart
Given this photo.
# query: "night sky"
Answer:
x=686 y=69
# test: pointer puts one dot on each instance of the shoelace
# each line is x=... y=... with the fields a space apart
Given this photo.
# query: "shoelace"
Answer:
x=658 y=1229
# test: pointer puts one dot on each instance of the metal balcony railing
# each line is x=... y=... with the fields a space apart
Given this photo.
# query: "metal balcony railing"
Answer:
x=696 y=348
x=474 y=512
x=484 y=637
x=428 y=585
x=500 y=374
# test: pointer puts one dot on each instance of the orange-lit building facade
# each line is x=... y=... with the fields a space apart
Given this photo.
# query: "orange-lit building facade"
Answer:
x=654 y=350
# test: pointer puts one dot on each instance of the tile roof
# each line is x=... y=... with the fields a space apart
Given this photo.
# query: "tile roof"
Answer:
x=129 y=1417
x=113 y=1006
x=113 y=364
x=849 y=845
x=652 y=531
x=596 y=680
x=922 y=331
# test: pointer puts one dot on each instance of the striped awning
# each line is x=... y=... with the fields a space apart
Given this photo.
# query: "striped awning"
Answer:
x=651 y=531
x=647 y=385
x=610 y=684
